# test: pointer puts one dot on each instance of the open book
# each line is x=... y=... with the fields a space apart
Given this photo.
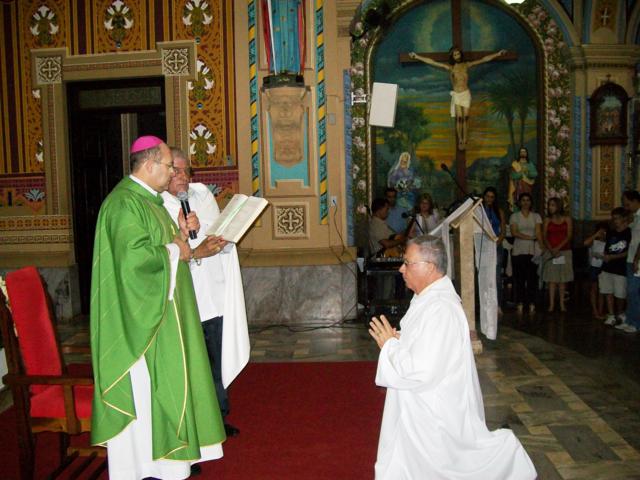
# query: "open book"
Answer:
x=237 y=217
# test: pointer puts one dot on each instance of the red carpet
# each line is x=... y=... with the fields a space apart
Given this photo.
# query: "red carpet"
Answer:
x=301 y=421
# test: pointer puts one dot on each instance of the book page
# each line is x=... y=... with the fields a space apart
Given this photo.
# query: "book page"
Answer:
x=237 y=217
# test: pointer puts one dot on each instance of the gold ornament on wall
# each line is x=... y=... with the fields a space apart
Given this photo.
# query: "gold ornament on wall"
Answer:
x=290 y=221
x=44 y=25
x=118 y=18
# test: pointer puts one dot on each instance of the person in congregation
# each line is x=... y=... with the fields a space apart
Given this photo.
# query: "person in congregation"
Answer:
x=217 y=282
x=394 y=219
x=497 y=218
x=612 y=281
x=154 y=404
x=557 y=270
x=596 y=244
x=433 y=424
x=631 y=320
x=381 y=236
x=427 y=217
x=526 y=228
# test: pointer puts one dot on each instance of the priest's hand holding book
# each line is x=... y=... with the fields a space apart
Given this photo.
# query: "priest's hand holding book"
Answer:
x=210 y=246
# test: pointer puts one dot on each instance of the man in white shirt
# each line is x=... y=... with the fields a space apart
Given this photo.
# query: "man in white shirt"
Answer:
x=631 y=318
x=217 y=283
x=433 y=422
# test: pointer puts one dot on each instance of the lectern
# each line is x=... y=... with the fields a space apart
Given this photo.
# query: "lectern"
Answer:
x=473 y=228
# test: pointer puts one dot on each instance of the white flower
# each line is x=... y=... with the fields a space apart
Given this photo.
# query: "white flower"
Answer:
x=355 y=169
x=361 y=209
x=36 y=93
x=358 y=142
x=362 y=185
x=564 y=173
x=357 y=122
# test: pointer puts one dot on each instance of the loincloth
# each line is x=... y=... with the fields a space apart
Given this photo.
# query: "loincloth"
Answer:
x=460 y=98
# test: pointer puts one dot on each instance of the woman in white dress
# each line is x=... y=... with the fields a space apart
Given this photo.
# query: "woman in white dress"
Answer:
x=427 y=217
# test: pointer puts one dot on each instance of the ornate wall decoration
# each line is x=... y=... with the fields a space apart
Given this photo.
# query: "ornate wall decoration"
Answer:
x=175 y=62
x=202 y=144
x=606 y=175
x=79 y=27
x=23 y=191
x=608 y=115
x=49 y=70
x=44 y=25
x=199 y=90
x=117 y=26
x=558 y=100
x=253 y=100
x=322 y=112
x=205 y=23
x=605 y=14
x=196 y=15
x=286 y=112
x=290 y=221
x=118 y=19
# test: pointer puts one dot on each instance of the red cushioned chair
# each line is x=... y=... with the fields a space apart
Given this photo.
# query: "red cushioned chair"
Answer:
x=45 y=396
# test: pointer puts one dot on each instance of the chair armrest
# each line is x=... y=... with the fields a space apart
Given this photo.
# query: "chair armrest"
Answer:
x=18 y=379
x=75 y=349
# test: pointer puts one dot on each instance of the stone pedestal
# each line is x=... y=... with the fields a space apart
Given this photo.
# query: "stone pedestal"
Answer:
x=300 y=294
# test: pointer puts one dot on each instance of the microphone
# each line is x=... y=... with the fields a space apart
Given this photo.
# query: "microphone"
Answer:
x=184 y=203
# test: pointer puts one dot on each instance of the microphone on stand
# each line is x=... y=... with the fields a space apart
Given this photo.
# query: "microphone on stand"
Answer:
x=412 y=217
x=184 y=203
x=457 y=203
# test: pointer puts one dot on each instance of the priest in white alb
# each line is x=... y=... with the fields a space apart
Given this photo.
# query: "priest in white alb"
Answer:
x=433 y=423
x=217 y=283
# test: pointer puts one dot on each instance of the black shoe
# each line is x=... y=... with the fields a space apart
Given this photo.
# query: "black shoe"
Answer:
x=196 y=470
x=230 y=430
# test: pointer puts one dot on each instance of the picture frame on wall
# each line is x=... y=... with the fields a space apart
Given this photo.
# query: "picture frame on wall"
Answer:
x=608 y=117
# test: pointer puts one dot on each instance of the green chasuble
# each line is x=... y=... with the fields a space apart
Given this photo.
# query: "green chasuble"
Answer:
x=131 y=316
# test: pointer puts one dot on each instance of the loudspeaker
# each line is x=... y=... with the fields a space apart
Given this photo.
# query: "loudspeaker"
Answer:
x=383 y=104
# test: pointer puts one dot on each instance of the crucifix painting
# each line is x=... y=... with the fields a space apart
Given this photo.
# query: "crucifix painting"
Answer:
x=494 y=60
x=460 y=94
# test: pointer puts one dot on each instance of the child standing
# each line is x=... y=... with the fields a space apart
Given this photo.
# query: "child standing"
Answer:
x=613 y=281
x=596 y=244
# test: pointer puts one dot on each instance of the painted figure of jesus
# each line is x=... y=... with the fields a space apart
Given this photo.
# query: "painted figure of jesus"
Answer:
x=460 y=95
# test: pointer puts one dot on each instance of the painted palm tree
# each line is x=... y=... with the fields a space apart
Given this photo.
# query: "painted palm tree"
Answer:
x=503 y=105
x=525 y=85
x=513 y=96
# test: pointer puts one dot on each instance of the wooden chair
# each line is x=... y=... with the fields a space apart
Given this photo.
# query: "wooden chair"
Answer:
x=46 y=396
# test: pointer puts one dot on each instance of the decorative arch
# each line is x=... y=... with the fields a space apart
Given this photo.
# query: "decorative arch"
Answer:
x=555 y=110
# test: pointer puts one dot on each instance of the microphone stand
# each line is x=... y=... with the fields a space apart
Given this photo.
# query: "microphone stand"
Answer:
x=455 y=180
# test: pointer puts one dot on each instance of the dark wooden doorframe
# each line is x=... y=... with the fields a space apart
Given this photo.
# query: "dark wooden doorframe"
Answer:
x=95 y=111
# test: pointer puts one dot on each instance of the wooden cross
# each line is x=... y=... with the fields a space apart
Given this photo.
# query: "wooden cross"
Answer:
x=443 y=57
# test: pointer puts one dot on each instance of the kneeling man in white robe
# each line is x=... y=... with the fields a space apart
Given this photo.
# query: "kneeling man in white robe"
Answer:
x=433 y=423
